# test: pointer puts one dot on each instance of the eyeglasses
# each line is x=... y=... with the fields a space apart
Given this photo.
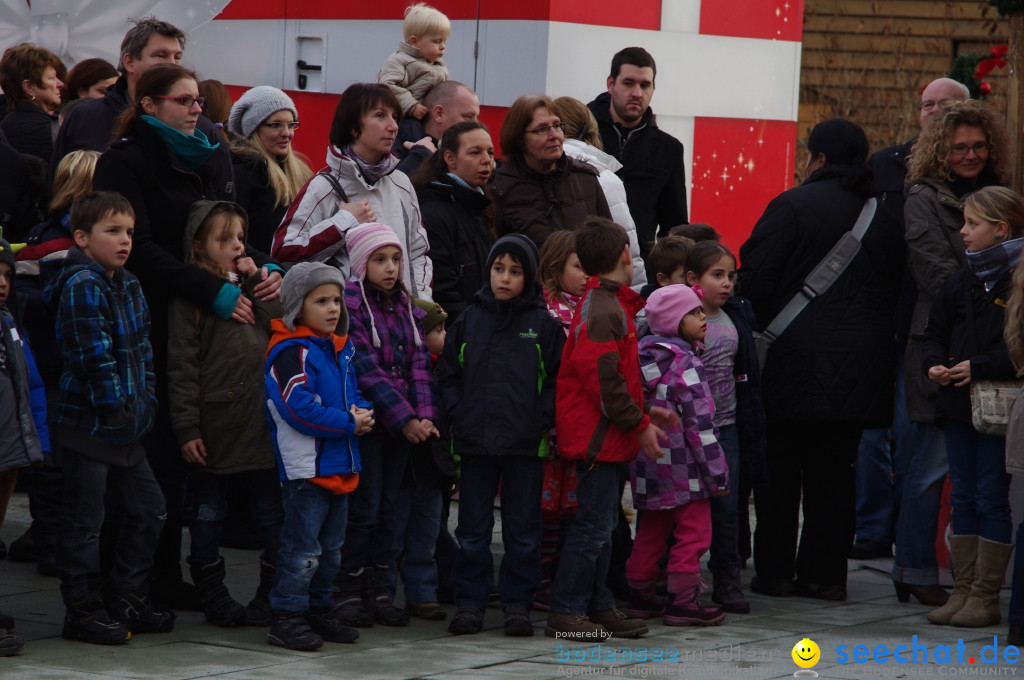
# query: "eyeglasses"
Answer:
x=277 y=125
x=543 y=130
x=979 y=149
x=185 y=100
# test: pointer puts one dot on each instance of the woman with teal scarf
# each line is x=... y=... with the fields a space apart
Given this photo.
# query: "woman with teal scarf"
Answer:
x=162 y=163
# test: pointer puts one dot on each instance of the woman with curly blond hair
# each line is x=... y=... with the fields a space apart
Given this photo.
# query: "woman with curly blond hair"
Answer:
x=960 y=151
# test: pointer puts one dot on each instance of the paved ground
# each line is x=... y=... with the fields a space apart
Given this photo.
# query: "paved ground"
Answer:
x=755 y=646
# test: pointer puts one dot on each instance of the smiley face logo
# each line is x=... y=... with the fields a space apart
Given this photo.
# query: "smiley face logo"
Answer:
x=806 y=653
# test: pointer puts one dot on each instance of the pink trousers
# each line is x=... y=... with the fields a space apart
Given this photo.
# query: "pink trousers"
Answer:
x=690 y=524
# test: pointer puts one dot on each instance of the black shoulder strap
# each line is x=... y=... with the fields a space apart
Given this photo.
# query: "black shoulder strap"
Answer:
x=326 y=174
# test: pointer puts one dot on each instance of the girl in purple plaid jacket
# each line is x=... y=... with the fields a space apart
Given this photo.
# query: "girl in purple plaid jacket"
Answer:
x=393 y=371
x=674 y=492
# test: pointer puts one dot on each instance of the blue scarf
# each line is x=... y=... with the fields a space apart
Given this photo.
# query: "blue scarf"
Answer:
x=463 y=183
x=190 y=150
x=991 y=264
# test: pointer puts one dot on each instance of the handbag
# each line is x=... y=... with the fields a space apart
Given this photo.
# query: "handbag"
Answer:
x=821 y=278
x=991 y=400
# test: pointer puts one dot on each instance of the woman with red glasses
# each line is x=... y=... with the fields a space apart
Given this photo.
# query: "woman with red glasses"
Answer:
x=162 y=163
x=961 y=150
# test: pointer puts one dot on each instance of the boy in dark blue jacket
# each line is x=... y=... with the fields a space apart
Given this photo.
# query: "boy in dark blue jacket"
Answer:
x=497 y=383
x=106 y=404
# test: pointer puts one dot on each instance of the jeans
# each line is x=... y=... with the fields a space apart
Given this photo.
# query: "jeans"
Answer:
x=579 y=585
x=690 y=526
x=371 y=511
x=210 y=509
x=981 y=485
x=521 y=479
x=86 y=483
x=812 y=462
x=873 y=471
x=920 y=487
x=417 y=524
x=311 y=540
x=725 y=536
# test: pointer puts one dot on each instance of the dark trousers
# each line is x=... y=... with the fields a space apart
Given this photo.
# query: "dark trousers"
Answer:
x=86 y=482
x=210 y=510
x=813 y=461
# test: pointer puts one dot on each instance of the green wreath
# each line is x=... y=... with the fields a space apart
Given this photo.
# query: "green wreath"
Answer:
x=1008 y=7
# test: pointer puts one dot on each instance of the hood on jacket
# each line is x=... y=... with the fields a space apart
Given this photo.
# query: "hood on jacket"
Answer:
x=591 y=155
x=56 y=268
x=197 y=214
x=662 y=351
x=446 y=189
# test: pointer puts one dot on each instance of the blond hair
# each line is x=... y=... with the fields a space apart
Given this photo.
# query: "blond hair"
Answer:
x=931 y=153
x=422 y=20
x=285 y=176
x=73 y=178
x=578 y=122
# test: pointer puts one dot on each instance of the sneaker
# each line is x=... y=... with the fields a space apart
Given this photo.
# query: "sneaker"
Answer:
x=644 y=604
x=467 y=621
x=10 y=644
x=728 y=592
x=88 y=621
x=574 y=627
x=329 y=627
x=431 y=611
x=517 y=623
x=137 y=613
x=692 y=614
x=292 y=631
x=618 y=624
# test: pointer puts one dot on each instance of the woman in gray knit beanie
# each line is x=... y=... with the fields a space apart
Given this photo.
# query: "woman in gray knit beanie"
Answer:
x=268 y=172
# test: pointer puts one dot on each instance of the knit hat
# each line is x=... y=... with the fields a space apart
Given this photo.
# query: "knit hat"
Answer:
x=435 y=314
x=299 y=281
x=255 y=106
x=667 y=306
x=522 y=249
x=362 y=240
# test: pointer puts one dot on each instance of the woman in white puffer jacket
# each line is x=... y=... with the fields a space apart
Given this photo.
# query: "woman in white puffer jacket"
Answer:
x=583 y=143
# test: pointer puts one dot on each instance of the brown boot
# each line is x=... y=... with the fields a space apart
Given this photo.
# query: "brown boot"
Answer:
x=575 y=627
x=982 y=605
x=964 y=552
x=618 y=624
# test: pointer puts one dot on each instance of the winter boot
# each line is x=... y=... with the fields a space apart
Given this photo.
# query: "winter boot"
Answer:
x=643 y=601
x=258 y=611
x=291 y=631
x=377 y=600
x=349 y=600
x=218 y=605
x=576 y=627
x=981 y=607
x=137 y=613
x=618 y=624
x=88 y=621
x=728 y=592
x=10 y=644
x=329 y=627
x=964 y=553
x=683 y=608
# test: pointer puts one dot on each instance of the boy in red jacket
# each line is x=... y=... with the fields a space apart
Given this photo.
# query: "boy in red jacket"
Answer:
x=602 y=422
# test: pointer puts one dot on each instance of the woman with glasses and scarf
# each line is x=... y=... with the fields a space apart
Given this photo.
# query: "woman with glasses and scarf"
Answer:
x=540 y=189
x=961 y=150
x=268 y=172
x=162 y=161
x=361 y=184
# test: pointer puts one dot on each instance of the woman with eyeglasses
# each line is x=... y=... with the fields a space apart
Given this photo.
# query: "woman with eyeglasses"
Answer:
x=540 y=189
x=163 y=164
x=268 y=172
x=961 y=150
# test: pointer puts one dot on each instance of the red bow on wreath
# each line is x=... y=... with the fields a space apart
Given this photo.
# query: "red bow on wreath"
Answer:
x=986 y=66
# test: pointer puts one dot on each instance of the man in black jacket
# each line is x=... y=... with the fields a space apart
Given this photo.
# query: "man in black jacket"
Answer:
x=447 y=103
x=91 y=124
x=653 y=170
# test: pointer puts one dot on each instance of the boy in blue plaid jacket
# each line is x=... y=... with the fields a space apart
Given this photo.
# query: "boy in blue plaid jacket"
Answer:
x=106 y=404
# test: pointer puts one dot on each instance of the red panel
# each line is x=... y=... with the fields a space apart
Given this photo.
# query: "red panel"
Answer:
x=642 y=14
x=771 y=20
x=380 y=9
x=738 y=167
x=493 y=117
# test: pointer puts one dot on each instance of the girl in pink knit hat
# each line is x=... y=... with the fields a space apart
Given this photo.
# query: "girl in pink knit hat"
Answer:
x=393 y=371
